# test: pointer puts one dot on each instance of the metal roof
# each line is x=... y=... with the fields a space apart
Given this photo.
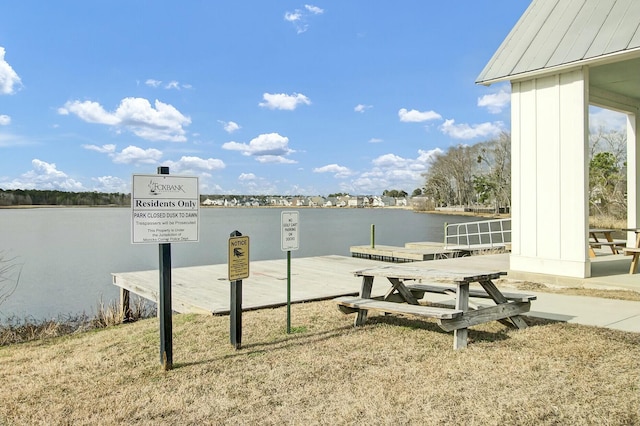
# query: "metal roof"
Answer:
x=560 y=33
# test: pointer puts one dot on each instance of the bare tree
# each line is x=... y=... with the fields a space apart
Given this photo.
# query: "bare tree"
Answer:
x=607 y=172
x=496 y=156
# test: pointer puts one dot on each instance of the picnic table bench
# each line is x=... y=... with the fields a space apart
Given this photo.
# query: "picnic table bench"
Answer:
x=409 y=284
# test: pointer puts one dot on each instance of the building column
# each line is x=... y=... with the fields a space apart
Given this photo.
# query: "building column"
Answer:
x=549 y=119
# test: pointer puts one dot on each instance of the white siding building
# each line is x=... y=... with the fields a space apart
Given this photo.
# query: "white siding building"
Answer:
x=561 y=57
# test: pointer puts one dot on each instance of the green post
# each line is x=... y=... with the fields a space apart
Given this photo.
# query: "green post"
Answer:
x=288 y=291
x=373 y=236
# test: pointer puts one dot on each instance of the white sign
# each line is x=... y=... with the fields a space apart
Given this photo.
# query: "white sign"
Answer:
x=290 y=227
x=164 y=209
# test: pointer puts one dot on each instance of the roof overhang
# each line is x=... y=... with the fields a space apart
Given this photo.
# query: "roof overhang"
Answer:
x=613 y=58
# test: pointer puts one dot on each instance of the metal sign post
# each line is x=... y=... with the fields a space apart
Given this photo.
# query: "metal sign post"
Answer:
x=166 y=322
x=289 y=234
x=238 y=270
x=164 y=209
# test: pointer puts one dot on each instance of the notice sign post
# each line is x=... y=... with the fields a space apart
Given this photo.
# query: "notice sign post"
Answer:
x=289 y=235
x=165 y=209
x=238 y=261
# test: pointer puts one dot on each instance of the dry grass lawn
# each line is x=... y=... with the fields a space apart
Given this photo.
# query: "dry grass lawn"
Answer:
x=392 y=371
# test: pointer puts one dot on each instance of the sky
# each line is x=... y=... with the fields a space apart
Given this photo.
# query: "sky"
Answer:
x=253 y=97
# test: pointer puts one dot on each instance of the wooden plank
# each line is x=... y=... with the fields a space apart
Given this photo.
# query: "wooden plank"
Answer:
x=495 y=294
x=482 y=315
x=416 y=252
x=406 y=294
x=460 y=334
x=444 y=289
x=398 y=308
x=125 y=308
x=418 y=273
x=365 y=293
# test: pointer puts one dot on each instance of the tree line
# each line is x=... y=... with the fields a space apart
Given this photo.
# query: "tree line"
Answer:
x=480 y=175
x=471 y=175
x=37 y=197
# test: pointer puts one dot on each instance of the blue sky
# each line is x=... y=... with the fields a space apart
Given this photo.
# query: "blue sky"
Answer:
x=254 y=97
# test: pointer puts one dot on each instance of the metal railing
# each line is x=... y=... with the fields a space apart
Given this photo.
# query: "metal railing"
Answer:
x=485 y=234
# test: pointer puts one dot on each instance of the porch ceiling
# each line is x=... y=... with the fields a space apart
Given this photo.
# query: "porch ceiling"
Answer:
x=622 y=78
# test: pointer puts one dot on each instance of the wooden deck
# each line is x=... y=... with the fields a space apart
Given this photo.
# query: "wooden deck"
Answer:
x=205 y=289
x=411 y=252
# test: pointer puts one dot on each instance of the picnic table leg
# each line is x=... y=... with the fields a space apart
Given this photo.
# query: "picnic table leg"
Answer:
x=634 y=263
x=365 y=293
x=499 y=298
x=404 y=292
x=462 y=303
x=609 y=238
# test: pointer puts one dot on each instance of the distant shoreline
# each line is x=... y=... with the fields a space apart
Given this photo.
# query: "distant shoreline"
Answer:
x=436 y=212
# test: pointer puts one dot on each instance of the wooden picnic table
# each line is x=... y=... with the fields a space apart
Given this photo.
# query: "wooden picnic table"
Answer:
x=408 y=284
x=599 y=237
x=633 y=251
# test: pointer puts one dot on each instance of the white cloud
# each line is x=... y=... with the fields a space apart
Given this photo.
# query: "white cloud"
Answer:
x=276 y=159
x=195 y=164
x=266 y=148
x=283 y=101
x=496 y=102
x=293 y=16
x=246 y=176
x=375 y=140
x=8 y=139
x=153 y=83
x=337 y=170
x=104 y=149
x=162 y=123
x=391 y=171
x=129 y=155
x=44 y=176
x=173 y=84
x=415 y=116
x=9 y=80
x=314 y=9
x=299 y=17
x=229 y=126
x=466 y=131
x=91 y=112
x=135 y=155
x=606 y=119
x=252 y=184
x=111 y=184
x=362 y=108
x=5 y=120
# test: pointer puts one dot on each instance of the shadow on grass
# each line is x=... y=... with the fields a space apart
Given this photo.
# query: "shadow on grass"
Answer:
x=287 y=342
x=475 y=335
x=294 y=340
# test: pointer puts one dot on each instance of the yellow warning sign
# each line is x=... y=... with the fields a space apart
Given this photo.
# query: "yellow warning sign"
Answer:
x=238 y=258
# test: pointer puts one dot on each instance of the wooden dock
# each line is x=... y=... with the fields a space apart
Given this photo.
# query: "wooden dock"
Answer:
x=411 y=252
x=205 y=289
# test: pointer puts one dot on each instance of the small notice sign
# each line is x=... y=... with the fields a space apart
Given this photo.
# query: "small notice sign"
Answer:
x=238 y=258
x=164 y=209
x=290 y=227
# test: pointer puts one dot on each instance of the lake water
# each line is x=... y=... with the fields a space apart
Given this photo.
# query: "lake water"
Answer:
x=68 y=254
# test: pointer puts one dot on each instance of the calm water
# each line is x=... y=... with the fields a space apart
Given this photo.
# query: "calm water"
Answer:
x=69 y=254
